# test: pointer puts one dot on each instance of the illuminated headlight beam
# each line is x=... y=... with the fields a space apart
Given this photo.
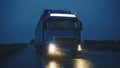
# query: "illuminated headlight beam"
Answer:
x=52 y=48
x=62 y=15
x=79 y=47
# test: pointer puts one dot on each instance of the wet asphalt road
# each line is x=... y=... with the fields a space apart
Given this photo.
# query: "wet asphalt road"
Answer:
x=28 y=58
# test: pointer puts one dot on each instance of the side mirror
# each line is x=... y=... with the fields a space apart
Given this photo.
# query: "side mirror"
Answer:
x=80 y=25
x=44 y=25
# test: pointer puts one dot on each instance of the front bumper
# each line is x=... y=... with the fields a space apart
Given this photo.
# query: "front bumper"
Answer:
x=64 y=49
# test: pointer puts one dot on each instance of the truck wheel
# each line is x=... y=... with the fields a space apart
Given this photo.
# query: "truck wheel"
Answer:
x=73 y=53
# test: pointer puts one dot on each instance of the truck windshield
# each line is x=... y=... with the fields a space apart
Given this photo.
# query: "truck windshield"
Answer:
x=62 y=25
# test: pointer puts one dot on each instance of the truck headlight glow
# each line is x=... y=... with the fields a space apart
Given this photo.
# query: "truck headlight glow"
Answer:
x=79 y=47
x=62 y=15
x=51 y=48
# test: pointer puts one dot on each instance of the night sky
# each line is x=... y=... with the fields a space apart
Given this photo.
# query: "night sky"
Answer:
x=18 y=18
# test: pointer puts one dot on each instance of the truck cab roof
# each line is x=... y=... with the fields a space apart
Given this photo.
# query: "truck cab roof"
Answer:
x=57 y=11
x=57 y=14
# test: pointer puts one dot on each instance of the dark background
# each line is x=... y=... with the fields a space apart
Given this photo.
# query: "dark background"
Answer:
x=18 y=18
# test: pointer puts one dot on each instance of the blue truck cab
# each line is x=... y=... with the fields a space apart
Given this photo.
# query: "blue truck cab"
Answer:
x=58 y=33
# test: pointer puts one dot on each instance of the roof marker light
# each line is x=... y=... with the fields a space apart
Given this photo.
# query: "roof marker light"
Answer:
x=62 y=15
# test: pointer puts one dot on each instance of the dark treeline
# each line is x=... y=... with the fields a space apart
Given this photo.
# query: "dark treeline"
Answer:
x=9 y=49
x=101 y=41
x=113 y=45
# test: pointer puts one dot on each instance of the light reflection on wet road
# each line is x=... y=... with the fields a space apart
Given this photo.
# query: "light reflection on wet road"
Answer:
x=28 y=58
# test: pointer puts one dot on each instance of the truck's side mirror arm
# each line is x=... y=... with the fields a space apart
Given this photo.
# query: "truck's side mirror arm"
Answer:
x=44 y=25
x=80 y=25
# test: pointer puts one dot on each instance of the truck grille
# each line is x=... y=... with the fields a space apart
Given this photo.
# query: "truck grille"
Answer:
x=65 y=38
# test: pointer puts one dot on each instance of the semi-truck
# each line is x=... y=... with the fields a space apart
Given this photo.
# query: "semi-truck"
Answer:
x=58 y=33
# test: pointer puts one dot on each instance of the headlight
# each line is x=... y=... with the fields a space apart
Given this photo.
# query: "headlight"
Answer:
x=79 y=47
x=51 y=48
